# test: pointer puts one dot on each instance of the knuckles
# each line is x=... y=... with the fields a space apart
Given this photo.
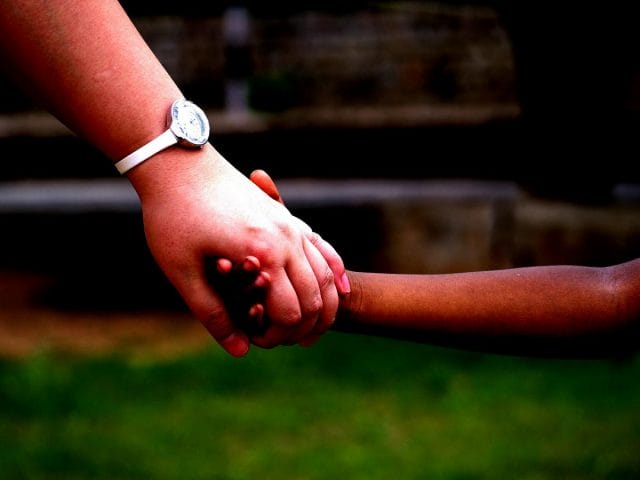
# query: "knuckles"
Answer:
x=215 y=322
x=327 y=281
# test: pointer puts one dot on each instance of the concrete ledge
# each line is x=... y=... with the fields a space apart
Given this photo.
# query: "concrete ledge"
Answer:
x=87 y=233
x=41 y=124
x=117 y=195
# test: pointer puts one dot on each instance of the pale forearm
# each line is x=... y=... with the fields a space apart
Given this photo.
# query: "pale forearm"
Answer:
x=87 y=63
x=538 y=310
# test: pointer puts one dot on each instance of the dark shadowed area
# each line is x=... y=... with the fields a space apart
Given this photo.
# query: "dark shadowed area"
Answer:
x=416 y=137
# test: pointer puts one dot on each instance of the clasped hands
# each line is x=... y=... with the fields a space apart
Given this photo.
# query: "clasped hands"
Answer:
x=198 y=210
x=243 y=287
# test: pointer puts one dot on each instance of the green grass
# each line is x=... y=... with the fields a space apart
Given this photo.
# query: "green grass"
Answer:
x=348 y=408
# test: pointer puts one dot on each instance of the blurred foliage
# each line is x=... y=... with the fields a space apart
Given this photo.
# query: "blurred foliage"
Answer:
x=350 y=407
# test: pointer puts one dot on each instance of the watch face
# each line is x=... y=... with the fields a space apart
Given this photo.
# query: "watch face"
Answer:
x=189 y=123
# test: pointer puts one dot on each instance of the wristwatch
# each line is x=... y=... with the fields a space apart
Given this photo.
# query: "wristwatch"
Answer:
x=188 y=126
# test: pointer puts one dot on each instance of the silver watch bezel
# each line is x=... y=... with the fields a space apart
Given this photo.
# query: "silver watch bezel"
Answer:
x=182 y=134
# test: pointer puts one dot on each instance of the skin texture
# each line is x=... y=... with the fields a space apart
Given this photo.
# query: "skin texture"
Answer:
x=87 y=64
x=548 y=311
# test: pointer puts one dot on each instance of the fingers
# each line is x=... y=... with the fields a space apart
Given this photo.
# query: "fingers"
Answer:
x=331 y=257
x=241 y=287
x=244 y=290
x=252 y=282
x=210 y=310
x=224 y=266
x=266 y=184
x=284 y=310
x=243 y=284
x=333 y=260
x=318 y=309
x=262 y=280
x=249 y=265
x=328 y=293
x=256 y=312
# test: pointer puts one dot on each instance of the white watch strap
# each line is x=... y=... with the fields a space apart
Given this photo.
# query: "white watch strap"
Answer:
x=146 y=151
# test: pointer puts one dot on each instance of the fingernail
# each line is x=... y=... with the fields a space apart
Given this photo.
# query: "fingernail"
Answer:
x=223 y=266
x=255 y=310
x=344 y=284
x=260 y=281
x=236 y=345
x=250 y=264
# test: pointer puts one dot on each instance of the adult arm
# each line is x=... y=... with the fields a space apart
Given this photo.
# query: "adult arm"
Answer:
x=86 y=62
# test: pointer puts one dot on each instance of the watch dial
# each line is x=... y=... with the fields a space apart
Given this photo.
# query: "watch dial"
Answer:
x=189 y=122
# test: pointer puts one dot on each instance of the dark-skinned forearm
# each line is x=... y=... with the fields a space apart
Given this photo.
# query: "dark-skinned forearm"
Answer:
x=544 y=311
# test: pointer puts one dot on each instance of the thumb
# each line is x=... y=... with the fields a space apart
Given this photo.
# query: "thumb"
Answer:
x=209 y=309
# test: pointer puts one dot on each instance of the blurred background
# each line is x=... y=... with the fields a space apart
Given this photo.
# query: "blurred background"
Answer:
x=416 y=137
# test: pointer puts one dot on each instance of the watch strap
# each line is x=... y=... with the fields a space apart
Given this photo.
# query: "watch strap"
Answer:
x=135 y=158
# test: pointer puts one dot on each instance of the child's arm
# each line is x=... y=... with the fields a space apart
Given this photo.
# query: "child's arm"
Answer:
x=567 y=311
x=546 y=311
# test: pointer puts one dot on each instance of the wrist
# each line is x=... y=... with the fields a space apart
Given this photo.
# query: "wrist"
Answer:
x=136 y=126
x=186 y=125
x=174 y=168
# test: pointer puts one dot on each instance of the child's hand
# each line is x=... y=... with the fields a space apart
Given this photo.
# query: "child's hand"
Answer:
x=242 y=287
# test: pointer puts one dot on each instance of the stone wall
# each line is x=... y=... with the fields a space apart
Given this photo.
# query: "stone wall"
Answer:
x=456 y=235
x=404 y=54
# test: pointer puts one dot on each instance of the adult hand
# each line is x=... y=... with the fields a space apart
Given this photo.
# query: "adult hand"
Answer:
x=88 y=64
x=196 y=206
